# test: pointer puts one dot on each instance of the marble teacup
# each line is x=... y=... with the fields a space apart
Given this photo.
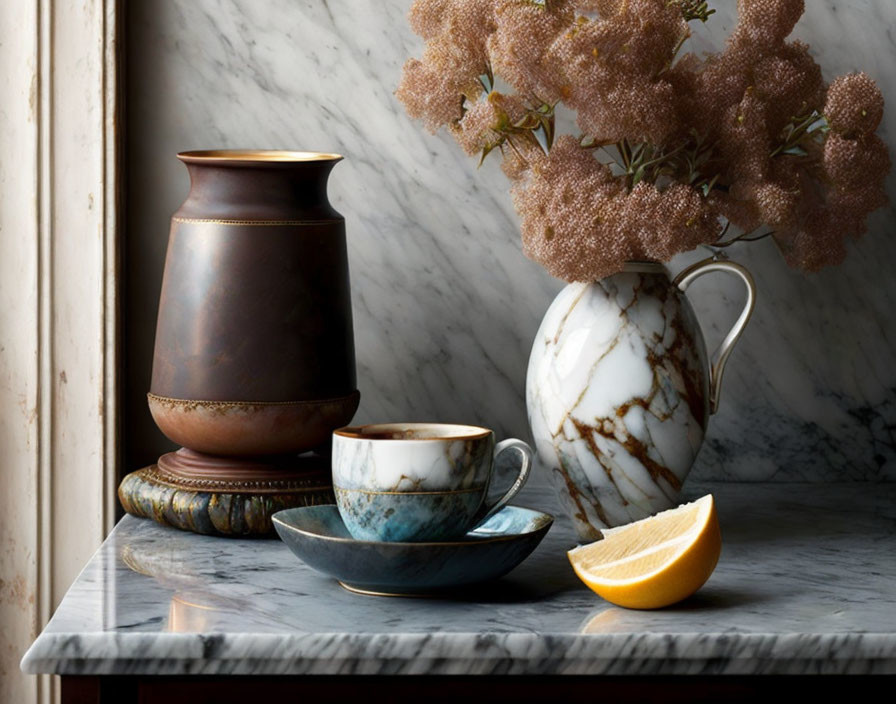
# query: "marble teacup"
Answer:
x=416 y=482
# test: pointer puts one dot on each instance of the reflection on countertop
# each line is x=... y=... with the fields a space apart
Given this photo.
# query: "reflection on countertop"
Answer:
x=806 y=583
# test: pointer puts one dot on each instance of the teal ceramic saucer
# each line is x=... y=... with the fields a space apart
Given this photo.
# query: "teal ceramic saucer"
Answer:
x=318 y=537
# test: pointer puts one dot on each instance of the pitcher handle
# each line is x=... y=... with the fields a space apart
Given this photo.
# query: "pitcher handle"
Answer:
x=684 y=279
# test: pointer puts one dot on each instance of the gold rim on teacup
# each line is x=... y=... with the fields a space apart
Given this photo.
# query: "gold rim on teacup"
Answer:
x=412 y=431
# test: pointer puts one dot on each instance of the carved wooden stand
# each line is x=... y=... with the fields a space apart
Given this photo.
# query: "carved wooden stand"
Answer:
x=222 y=495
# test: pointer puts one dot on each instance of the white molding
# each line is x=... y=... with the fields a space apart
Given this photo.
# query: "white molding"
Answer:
x=43 y=167
x=59 y=319
x=112 y=183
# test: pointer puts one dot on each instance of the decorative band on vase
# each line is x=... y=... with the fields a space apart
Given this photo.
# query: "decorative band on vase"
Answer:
x=253 y=223
x=190 y=403
x=246 y=428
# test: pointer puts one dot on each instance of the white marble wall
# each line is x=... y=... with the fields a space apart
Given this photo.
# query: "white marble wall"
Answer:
x=445 y=303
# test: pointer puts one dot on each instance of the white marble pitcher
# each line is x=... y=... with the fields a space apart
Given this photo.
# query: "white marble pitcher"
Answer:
x=619 y=391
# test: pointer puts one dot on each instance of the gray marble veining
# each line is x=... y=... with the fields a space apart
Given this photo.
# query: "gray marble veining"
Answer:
x=806 y=583
x=445 y=305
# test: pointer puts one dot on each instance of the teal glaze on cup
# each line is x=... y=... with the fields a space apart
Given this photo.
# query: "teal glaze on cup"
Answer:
x=406 y=517
x=412 y=482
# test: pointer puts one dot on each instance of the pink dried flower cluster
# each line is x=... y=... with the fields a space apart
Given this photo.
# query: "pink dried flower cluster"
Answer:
x=576 y=214
x=673 y=148
x=456 y=32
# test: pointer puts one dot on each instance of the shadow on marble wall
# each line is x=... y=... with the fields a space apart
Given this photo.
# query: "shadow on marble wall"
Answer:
x=445 y=304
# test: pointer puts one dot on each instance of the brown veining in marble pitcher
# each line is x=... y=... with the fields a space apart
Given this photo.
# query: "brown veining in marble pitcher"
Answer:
x=620 y=389
x=254 y=352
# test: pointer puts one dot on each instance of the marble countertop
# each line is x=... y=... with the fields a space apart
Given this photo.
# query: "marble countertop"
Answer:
x=806 y=584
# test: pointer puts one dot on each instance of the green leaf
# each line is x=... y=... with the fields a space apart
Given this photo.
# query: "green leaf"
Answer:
x=795 y=150
x=487 y=150
x=707 y=187
x=624 y=152
x=820 y=125
x=693 y=9
x=547 y=125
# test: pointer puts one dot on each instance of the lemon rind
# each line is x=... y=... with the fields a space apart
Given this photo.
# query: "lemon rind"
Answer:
x=688 y=538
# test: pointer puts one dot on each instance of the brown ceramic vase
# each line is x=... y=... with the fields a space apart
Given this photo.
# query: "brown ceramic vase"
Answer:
x=254 y=355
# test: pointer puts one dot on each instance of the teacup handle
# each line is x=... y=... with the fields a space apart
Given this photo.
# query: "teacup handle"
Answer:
x=720 y=356
x=527 y=454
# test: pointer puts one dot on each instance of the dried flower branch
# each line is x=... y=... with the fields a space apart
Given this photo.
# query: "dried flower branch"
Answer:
x=536 y=127
x=693 y=9
x=799 y=132
x=672 y=148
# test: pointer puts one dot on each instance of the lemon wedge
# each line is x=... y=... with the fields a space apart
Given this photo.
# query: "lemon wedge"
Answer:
x=656 y=561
